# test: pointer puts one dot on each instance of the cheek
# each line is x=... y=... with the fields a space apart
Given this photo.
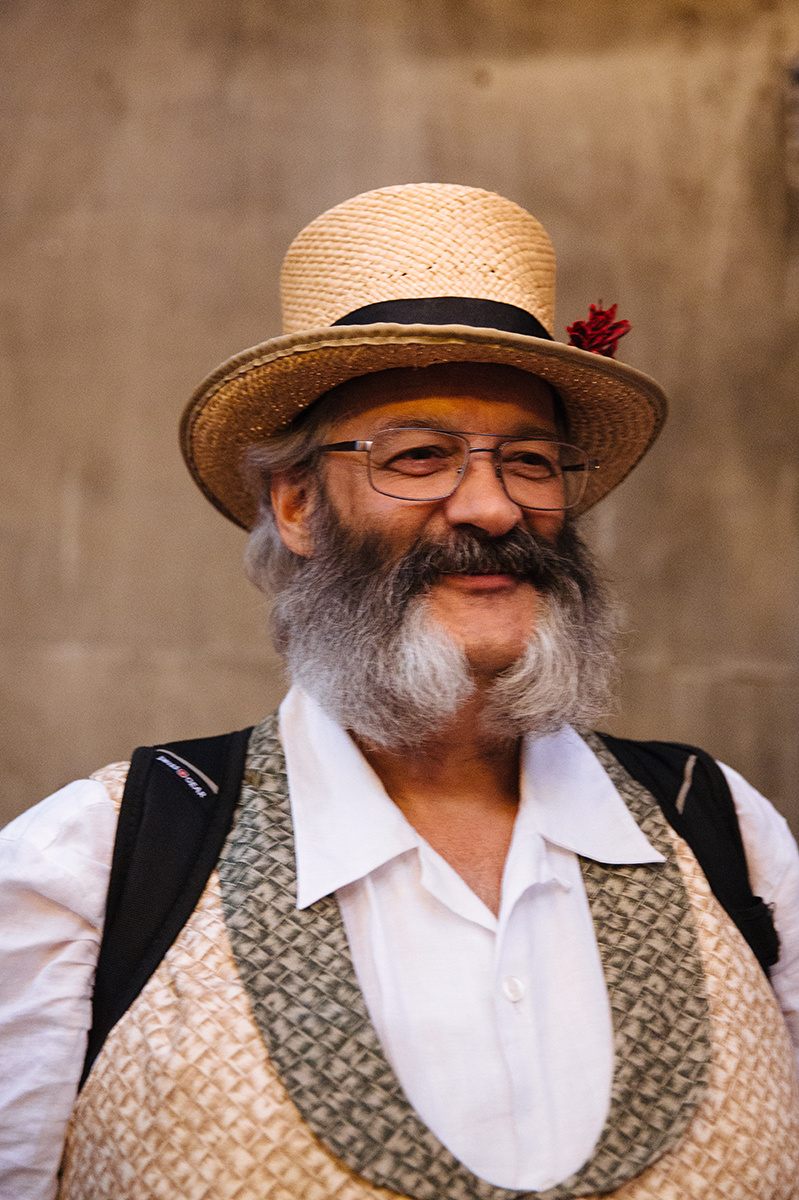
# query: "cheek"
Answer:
x=544 y=524
x=359 y=506
x=346 y=476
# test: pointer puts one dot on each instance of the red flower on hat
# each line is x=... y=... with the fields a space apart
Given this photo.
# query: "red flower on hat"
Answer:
x=600 y=333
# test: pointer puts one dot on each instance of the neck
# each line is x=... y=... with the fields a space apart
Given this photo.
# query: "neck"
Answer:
x=461 y=794
x=457 y=764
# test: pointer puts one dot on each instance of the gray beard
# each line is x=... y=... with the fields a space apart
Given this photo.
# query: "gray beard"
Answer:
x=354 y=626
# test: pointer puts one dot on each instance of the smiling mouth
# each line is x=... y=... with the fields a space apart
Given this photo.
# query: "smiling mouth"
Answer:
x=487 y=574
x=481 y=580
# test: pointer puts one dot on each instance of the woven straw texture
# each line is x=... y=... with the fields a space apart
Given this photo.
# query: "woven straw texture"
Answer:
x=418 y=240
x=396 y=242
x=184 y=1100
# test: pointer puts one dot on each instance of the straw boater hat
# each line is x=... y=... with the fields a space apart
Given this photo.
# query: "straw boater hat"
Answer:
x=409 y=276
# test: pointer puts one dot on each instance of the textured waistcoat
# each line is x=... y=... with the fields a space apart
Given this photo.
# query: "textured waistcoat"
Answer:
x=248 y=1068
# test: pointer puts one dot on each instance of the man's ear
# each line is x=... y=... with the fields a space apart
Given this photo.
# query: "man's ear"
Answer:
x=293 y=498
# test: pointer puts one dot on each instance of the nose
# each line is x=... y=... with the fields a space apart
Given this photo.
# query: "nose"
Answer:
x=480 y=499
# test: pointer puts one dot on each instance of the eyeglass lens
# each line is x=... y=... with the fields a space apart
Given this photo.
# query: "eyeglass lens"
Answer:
x=425 y=464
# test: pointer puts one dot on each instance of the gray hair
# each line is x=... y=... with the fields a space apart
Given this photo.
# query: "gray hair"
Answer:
x=354 y=626
x=267 y=562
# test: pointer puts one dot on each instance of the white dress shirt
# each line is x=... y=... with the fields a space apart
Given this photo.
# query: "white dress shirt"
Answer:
x=497 y=1027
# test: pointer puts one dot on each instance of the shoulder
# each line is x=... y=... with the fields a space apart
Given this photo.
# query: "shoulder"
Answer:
x=83 y=806
x=61 y=848
x=773 y=860
x=54 y=868
x=771 y=849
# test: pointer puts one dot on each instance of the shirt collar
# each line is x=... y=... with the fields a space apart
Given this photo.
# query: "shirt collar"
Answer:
x=346 y=826
x=569 y=798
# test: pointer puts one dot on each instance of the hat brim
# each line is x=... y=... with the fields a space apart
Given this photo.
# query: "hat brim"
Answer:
x=615 y=412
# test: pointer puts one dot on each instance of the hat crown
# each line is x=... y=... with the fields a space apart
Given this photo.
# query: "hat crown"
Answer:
x=417 y=240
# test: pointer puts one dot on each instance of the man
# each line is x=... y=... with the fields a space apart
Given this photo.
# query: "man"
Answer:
x=450 y=947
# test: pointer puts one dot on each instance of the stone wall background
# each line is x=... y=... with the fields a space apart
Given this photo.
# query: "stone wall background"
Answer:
x=158 y=159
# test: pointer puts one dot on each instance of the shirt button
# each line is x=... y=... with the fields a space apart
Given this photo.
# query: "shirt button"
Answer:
x=513 y=988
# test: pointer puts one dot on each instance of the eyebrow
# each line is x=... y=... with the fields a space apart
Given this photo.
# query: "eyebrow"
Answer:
x=445 y=426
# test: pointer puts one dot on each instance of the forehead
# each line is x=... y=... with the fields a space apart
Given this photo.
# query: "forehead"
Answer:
x=474 y=397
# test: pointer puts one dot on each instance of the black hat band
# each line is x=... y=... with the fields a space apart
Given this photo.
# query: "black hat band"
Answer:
x=448 y=310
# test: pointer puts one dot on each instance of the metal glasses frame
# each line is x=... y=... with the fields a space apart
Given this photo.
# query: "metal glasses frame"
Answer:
x=365 y=446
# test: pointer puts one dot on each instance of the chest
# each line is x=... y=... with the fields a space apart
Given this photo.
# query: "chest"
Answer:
x=277 y=1047
x=475 y=844
x=248 y=1065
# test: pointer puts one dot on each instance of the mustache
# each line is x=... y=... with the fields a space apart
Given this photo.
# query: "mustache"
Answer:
x=369 y=577
x=551 y=567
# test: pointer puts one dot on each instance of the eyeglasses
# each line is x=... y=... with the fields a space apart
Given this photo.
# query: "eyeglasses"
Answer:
x=428 y=464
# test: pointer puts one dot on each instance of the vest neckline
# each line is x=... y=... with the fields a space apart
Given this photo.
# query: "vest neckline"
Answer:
x=297 y=970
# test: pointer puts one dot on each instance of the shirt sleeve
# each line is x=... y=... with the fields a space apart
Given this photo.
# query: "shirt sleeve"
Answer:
x=54 y=868
x=773 y=859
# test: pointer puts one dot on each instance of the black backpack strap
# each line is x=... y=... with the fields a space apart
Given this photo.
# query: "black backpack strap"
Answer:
x=176 y=812
x=693 y=793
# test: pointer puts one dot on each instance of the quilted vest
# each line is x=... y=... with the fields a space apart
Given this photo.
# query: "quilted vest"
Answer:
x=248 y=1068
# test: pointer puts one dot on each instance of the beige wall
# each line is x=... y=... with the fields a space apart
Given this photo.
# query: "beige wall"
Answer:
x=158 y=159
